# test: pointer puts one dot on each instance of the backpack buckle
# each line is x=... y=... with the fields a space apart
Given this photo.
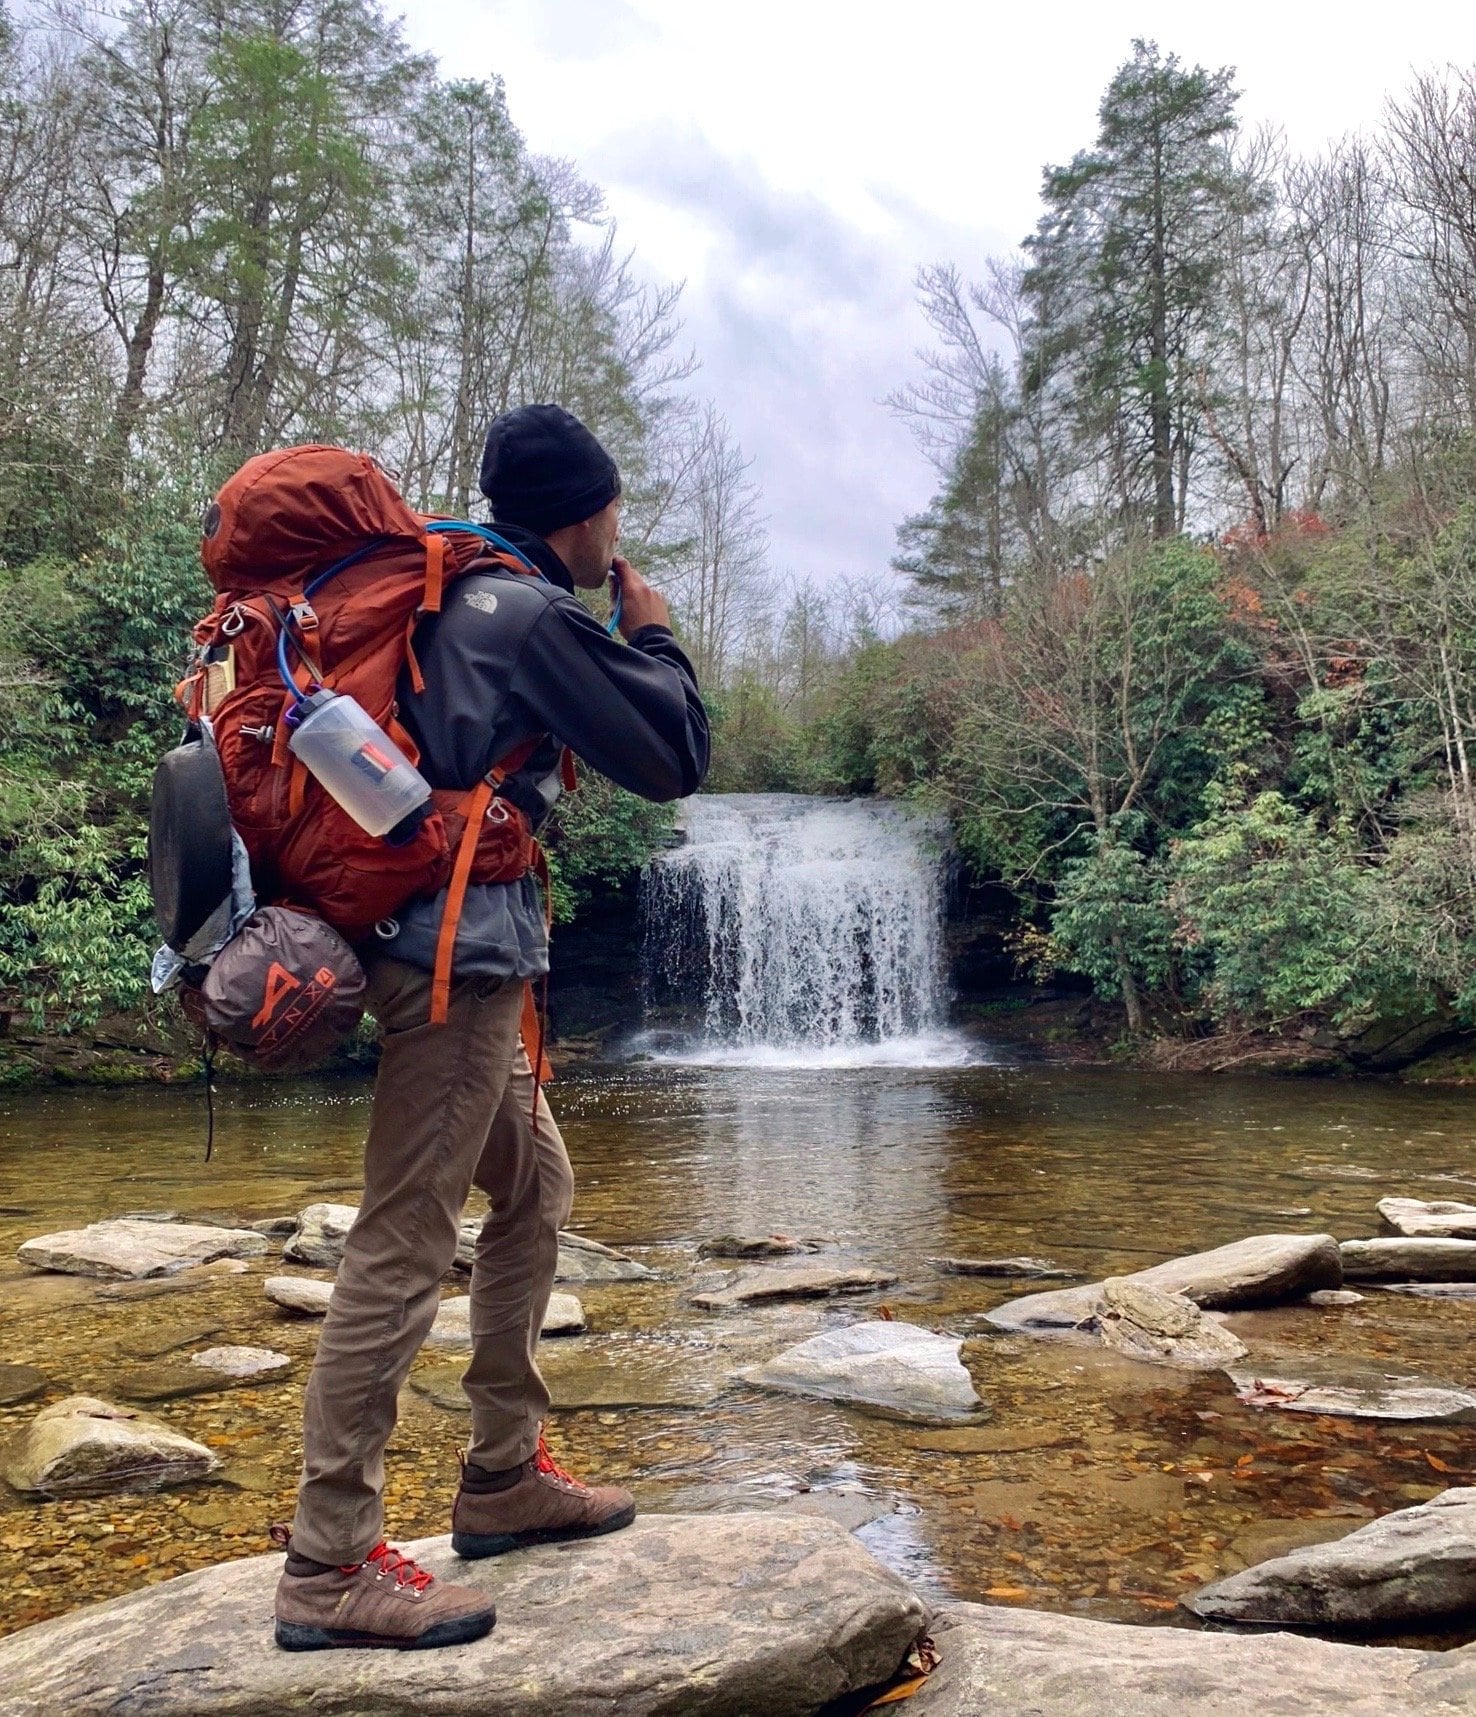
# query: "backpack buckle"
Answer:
x=303 y=615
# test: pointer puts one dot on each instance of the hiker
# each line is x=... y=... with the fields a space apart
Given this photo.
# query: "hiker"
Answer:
x=510 y=661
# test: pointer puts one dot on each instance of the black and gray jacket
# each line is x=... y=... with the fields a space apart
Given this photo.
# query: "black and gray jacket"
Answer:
x=509 y=657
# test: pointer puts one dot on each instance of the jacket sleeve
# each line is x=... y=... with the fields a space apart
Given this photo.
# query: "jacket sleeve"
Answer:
x=631 y=711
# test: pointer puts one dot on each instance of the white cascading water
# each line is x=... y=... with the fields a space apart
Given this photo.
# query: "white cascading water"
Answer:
x=811 y=928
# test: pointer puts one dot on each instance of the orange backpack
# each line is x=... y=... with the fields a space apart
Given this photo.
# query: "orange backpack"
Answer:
x=323 y=572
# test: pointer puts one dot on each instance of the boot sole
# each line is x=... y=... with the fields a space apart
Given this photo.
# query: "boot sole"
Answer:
x=472 y=1546
x=460 y=1630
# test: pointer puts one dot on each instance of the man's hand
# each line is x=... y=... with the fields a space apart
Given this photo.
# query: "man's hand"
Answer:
x=640 y=604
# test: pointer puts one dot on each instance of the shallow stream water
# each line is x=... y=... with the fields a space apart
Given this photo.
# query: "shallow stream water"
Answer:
x=1109 y=1489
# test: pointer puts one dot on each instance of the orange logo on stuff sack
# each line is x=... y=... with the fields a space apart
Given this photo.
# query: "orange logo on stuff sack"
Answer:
x=279 y=984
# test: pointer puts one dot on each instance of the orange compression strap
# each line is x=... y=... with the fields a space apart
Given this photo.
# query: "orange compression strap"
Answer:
x=435 y=572
x=476 y=809
x=531 y=1031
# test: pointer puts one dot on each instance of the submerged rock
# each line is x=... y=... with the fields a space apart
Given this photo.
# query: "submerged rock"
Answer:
x=1429 y=1290
x=1430 y=1219
x=86 y=1447
x=159 y=1338
x=791 y=1282
x=243 y=1364
x=897 y=1367
x=1313 y=1386
x=1144 y=1323
x=131 y=1248
x=20 y=1383
x=774 y=1613
x=1406 y=1260
x=1031 y=1663
x=1260 y=1271
x=1418 y=1564
x=320 y=1234
x=755 y=1246
x=304 y=1294
x=1038 y=1268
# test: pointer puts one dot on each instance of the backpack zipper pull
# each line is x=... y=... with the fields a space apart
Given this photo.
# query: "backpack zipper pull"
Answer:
x=266 y=734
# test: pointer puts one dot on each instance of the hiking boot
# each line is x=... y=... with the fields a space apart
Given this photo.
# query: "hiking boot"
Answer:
x=543 y=1505
x=385 y=1600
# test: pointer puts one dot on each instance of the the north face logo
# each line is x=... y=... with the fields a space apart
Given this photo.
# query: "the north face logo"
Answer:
x=280 y=984
x=485 y=601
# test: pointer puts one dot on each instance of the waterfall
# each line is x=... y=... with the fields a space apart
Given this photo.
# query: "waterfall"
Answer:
x=807 y=930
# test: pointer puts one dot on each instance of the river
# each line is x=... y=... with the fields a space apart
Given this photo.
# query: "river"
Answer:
x=1115 y=1487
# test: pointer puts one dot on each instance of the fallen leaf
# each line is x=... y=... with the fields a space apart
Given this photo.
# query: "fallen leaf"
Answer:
x=1007 y=1592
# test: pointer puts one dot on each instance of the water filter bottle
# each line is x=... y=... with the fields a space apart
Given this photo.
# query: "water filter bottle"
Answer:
x=344 y=748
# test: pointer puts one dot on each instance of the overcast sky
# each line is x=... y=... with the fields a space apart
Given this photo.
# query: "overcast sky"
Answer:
x=794 y=161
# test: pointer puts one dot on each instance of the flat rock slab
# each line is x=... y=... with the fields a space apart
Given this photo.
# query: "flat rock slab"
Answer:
x=168 y=1337
x=452 y=1328
x=580 y=1259
x=756 y=1246
x=242 y=1364
x=1028 y=1663
x=306 y=1295
x=130 y=1249
x=86 y=1447
x=775 y=1613
x=1313 y=1386
x=803 y=1281
x=1037 y=1268
x=1415 y=1565
x=1430 y=1219
x=21 y=1383
x=1429 y=1290
x=1404 y=1260
x=895 y=1367
x=1261 y=1271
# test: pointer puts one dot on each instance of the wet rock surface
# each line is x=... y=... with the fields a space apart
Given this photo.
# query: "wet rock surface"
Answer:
x=20 y=1383
x=1143 y=1323
x=755 y=1246
x=801 y=1281
x=580 y=1259
x=779 y=1613
x=1417 y=1564
x=320 y=1235
x=1027 y=1663
x=1025 y=1268
x=86 y=1447
x=1261 y=1271
x=1405 y=1260
x=243 y=1364
x=133 y=1248
x=452 y=1328
x=306 y=1295
x=1440 y=1218
x=890 y=1366
x=1316 y=1386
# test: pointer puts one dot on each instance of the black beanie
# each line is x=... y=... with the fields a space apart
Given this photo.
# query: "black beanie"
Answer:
x=542 y=469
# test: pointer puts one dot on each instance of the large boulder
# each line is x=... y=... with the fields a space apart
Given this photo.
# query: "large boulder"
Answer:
x=776 y=1613
x=896 y=1367
x=1261 y=1271
x=1031 y=1663
x=128 y=1249
x=1418 y=1564
x=1432 y=1219
x=320 y=1234
x=85 y=1447
x=811 y=1279
x=1404 y=1260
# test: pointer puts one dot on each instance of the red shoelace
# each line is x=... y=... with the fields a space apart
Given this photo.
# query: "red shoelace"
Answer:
x=385 y=1560
x=544 y=1462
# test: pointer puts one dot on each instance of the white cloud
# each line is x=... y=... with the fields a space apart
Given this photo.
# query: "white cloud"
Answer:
x=795 y=162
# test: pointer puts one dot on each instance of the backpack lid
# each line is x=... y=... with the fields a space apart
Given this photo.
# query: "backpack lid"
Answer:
x=288 y=513
x=189 y=841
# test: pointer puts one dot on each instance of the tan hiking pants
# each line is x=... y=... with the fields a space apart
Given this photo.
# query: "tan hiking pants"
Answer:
x=453 y=1109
